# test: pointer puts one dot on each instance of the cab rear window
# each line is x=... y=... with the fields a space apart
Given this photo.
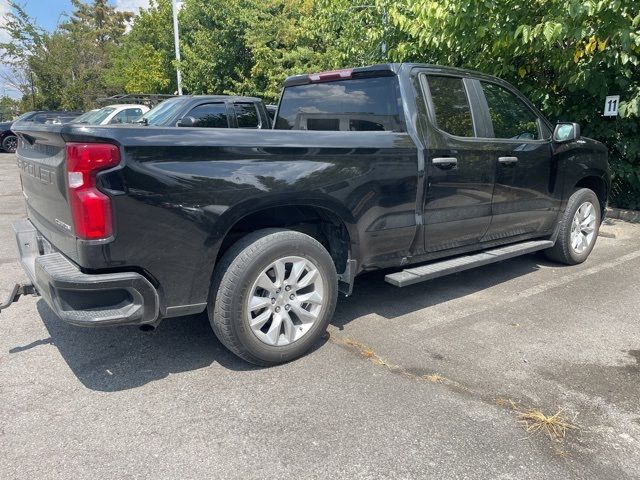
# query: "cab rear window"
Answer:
x=367 y=104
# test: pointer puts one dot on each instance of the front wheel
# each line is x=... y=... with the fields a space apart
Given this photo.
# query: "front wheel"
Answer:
x=10 y=144
x=273 y=295
x=578 y=229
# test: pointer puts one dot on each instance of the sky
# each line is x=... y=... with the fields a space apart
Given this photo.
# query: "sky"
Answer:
x=48 y=13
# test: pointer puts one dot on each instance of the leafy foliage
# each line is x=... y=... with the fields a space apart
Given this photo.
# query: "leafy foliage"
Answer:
x=144 y=63
x=8 y=108
x=64 y=69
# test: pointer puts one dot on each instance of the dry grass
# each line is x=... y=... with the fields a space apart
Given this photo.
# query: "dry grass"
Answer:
x=434 y=378
x=363 y=350
x=534 y=420
x=555 y=426
x=508 y=403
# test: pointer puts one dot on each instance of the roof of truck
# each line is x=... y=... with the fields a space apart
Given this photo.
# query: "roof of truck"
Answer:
x=378 y=70
x=219 y=98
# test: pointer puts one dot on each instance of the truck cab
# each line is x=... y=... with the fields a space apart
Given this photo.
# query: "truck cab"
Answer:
x=209 y=111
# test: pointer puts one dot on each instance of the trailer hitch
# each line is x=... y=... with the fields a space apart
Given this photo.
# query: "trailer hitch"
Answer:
x=18 y=290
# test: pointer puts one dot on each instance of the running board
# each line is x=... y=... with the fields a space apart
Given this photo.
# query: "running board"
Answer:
x=458 y=264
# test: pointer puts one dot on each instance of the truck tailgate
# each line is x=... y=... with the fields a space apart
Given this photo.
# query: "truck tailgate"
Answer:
x=41 y=160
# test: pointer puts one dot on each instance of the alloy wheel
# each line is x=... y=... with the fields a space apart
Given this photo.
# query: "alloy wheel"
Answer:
x=285 y=301
x=583 y=227
x=11 y=144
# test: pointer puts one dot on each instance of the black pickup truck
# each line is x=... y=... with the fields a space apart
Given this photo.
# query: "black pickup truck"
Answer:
x=211 y=111
x=418 y=169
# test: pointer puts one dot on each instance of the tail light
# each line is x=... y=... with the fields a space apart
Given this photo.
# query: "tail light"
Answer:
x=90 y=208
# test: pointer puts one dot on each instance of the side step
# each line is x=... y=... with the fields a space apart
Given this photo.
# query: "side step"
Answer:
x=458 y=264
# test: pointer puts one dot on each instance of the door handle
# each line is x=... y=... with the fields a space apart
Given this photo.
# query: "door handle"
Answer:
x=444 y=161
x=508 y=160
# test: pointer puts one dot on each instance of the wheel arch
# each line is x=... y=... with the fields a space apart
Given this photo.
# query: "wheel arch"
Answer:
x=327 y=221
x=596 y=182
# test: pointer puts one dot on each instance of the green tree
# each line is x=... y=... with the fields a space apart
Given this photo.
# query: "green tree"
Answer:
x=145 y=61
x=64 y=69
x=25 y=37
x=215 y=55
x=279 y=43
x=9 y=107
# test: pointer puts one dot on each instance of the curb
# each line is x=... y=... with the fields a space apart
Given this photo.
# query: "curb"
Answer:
x=632 y=216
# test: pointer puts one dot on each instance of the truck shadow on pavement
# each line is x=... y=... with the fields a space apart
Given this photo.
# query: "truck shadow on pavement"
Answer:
x=373 y=295
x=121 y=358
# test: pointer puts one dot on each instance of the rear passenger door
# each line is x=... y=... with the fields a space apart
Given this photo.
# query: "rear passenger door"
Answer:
x=526 y=199
x=459 y=171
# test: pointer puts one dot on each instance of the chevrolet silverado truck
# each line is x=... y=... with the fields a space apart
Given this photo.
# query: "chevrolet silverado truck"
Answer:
x=417 y=169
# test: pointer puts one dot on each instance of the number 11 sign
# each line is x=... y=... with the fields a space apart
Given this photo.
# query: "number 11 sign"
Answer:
x=611 y=106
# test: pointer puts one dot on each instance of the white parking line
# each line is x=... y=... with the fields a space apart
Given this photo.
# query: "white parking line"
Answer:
x=465 y=312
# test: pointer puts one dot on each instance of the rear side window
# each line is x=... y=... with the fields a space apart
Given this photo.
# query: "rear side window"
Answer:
x=120 y=117
x=210 y=115
x=510 y=116
x=451 y=105
x=246 y=114
x=367 y=104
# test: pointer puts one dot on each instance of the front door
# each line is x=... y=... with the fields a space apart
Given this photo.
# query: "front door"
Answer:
x=526 y=199
x=460 y=172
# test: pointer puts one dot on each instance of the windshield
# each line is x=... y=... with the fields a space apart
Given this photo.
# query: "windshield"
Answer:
x=86 y=117
x=163 y=112
x=100 y=115
x=24 y=116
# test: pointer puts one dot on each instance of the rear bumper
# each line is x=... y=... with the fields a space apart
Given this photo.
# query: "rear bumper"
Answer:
x=125 y=298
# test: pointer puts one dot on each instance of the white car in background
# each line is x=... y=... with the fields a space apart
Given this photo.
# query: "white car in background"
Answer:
x=113 y=114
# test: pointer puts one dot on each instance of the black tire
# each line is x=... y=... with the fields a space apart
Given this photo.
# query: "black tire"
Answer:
x=562 y=251
x=233 y=279
x=10 y=143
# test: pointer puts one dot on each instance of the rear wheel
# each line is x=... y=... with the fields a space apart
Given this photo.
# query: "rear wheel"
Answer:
x=10 y=144
x=273 y=295
x=578 y=229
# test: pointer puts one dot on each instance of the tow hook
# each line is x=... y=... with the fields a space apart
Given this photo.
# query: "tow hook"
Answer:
x=18 y=290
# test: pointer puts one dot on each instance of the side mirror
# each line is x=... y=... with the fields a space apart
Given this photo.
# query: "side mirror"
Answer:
x=566 y=131
x=186 y=122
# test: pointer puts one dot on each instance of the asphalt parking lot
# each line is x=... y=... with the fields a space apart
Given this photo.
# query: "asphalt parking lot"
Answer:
x=425 y=381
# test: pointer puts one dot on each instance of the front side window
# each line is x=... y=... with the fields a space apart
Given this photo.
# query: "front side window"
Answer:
x=120 y=117
x=133 y=114
x=246 y=114
x=364 y=104
x=210 y=115
x=40 y=118
x=510 y=117
x=451 y=105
